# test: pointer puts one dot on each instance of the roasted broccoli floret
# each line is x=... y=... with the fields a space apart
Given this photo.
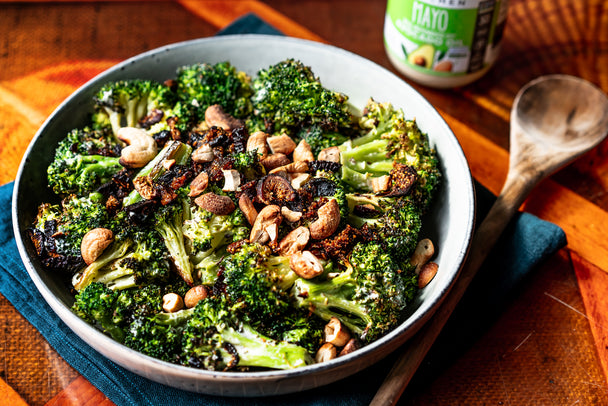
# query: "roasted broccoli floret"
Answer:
x=369 y=296
x=208 y=235
x=83 y=160
x=135 y=309
x=387 y=138
x=168 y=222
x=289 y=97
x=202 y=85
x=393 y=222
x=128 y=316
x=96 y=304
x=147 y=260
x=216 y=339
x=260 y=281
x=66 y=224
x=132 y=103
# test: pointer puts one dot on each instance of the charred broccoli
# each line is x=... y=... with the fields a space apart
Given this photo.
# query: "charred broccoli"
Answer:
x=368 y=296
x=132 y=103
x=83 y=160
x=387 y=138
x=290 y=98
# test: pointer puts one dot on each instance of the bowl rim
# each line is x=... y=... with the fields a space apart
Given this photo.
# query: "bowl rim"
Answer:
x=400 y=334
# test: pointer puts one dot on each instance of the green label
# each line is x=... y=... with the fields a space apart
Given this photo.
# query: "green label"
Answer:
x=442 y=37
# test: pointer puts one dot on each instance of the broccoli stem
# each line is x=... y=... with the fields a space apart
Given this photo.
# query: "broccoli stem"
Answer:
x=175 y=150
x=173 y=237
x=255 y=350
x=333 y=297
x=91 y=272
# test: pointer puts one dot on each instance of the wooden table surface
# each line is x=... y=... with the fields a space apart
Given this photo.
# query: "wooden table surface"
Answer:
x=549 y=347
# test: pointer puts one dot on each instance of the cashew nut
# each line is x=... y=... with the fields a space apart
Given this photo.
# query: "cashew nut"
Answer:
x=351 y=346
x=422 y=254
x=294 y=242
x=232 y=180
x=194 y=295
x=290 y=215
x=303 y=152
x=292 y=167
x=248 y=209
x=202 y=154
x=215 y=116
x=379 y=183
x=331 y=154
x=199 y=184
x=327 y=352
x=281 y=144
x=328 y=221
x=94 y=242
x=274 y=161
x=141 y=149
x=216 y=204
x=298 y=179
x=266 y=225
x=257 y=141
x=427 y=273
x=172 y=302
x=336 y=333
x=305 y=264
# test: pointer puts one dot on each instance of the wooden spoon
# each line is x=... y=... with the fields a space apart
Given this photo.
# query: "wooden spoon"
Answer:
x=554 y=119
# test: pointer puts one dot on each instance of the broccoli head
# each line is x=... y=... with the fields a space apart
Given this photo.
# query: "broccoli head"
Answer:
x=132 y=103
x=393 y=222
x=288 y=97
x=95 y=304
x=202 y=85
x=259 y=280
x=84 y=160
x=215 y=338
x=388 y=139
x=368 y=296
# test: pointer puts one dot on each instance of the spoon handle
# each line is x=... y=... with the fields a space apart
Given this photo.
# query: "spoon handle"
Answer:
x=513 y=194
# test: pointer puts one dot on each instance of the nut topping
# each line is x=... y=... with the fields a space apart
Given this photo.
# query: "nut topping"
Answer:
x=331 y=154
x=199 y=184
x=248 y=209
x=328 y=221
x=94 y=243
x=216 y=204
x=303 y=152
x=266 y=225
x=141 y=149
x=281 y=144
x=294 y=242
x=305 y=264
x=215 y=116
x=257 y=141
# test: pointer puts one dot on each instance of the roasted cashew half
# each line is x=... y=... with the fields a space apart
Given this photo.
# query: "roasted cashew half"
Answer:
x=141 y=149
x=94 y=242
x=266 y=225
x=328 y=221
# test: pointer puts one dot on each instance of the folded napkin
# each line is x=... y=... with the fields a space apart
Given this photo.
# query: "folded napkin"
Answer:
x=526 y=242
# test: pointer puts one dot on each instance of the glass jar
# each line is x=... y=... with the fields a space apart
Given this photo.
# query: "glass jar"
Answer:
x=444 y=43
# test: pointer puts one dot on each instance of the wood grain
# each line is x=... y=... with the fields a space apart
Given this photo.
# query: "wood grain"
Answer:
x=478 y=115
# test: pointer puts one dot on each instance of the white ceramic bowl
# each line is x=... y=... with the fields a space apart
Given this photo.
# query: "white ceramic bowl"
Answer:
x=449 y=225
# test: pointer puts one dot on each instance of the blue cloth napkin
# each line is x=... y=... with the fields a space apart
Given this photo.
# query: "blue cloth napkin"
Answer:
x=525 y=243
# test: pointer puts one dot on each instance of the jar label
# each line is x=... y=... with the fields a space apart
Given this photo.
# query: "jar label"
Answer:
x=445 y=37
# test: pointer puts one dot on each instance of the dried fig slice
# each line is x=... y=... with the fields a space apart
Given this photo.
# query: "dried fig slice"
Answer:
x=274 y=189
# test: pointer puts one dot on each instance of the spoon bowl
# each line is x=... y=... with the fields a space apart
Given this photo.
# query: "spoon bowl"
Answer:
x=556 y=118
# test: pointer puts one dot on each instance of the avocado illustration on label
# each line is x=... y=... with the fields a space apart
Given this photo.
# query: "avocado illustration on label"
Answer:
x=422 y=56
